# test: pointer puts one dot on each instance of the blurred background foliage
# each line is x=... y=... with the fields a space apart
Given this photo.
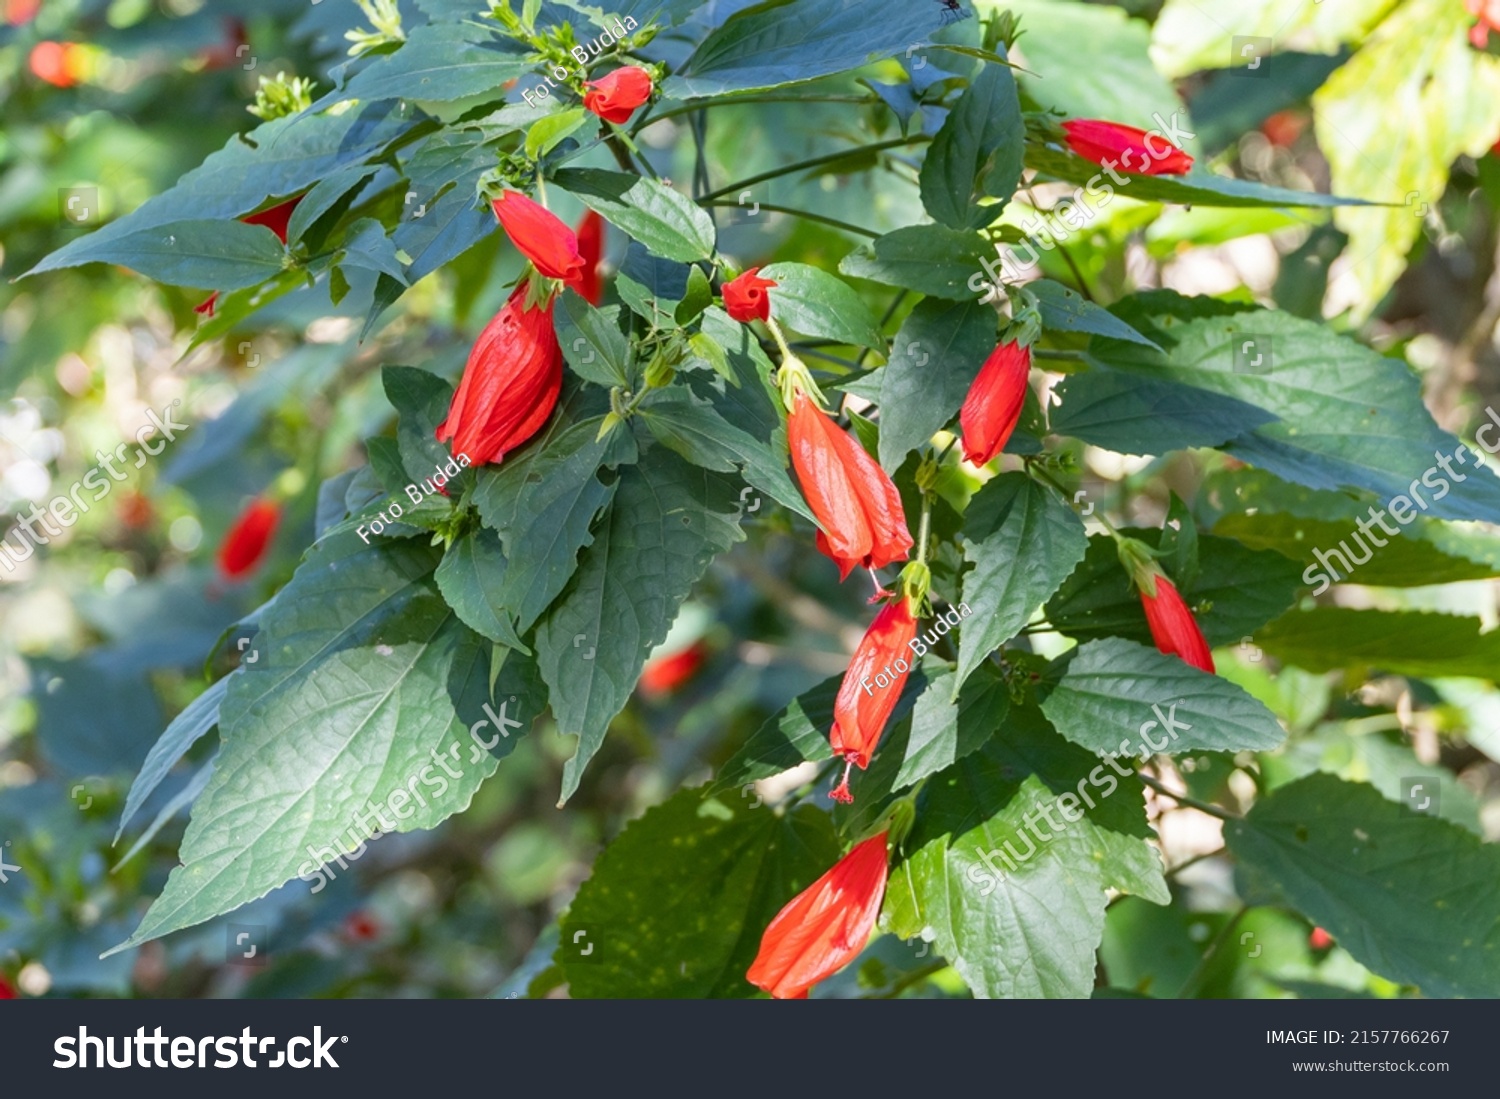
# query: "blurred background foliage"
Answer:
x=107 y=632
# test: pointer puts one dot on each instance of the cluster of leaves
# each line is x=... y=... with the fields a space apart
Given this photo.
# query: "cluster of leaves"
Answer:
x=545 y=583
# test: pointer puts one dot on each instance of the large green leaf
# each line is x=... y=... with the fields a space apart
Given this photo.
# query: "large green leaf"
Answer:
x=1413 y=897
x=470 y=579
x=692 y=428
x=1349 y=416
x=278 y=159
x=930 y=259
x=364 y=673
x=1235 y=592
x=445 y=61
x=771 y=44
x=666 y=524
x=977 y=153
x=1120 y=698
x=797 y=734
x=543 y=502
x=224 y=255
x=443 y=217
x=676 y=905
x=1404 y=642
x=592 y=341
x=934 y=359
x=1022 y=920
x=1065 y=310
x=1449 y=105
x=1136 y=415
x=1023 y=540
x=943 y=731
x=667 y=222
x=816 y=303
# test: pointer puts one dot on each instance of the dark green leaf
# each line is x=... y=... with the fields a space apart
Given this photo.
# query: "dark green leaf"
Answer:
x=929 y=259
x=983 y=134
x=470 y=578
x=444 y=61
x=944 y=731
x=816 y=303
x=798 y=734
x=223 y=255
x=1065 y=310
x=1413 y=643
x=665 y=221
x=592 y=341
x=1130 y=414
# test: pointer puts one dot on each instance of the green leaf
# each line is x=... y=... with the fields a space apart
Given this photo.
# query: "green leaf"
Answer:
x=278 y=159
x=1120 y=698
x=324 y=196
x=1410 y=896
x=692 y=428
x=772 y=44
x=551 y=130
x=1131 y=414
x=699 y=296
x=1449 y=94
x=816 y=303
x=667 y=523
x=442 y=218
x=982 y=135
x=1200 y=187
x=470 y=579
x=187 y=728
x=366 y=245
x=930 y=259
x=1349 y=416
x=543 y=502
x=944 y=731
x=934 y=360
x=1020 y=916
x=421 y=401
x=1413 y=643
x=667 y=222
x=676 y=905
x=797 y=734
x=592 y=341
x=1023 y=540
x=364 y=673
x=1237 y=590
x=1065 y=310
x=442 y=62
x=223 y=255
x=1190 y=35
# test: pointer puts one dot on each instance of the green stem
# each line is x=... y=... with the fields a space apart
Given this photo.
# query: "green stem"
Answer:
x=1098 y=516
x=1183 y=799
x=1195 y=978
x=1048 y=353
x=743 y=100
x=814 y=162
x=808 y=214
x=914 y=977
x=924 y=528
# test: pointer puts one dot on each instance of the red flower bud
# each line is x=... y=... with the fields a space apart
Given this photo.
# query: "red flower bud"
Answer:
x=1112 y=144
x=871 y=688
x=853 y=498
x=745 y=298
x=246 y=542
x=541 y=237
x=666 y=673
x=591 y=248
x=615 y=97
x=1319 y=939
x=510 y=383
x=823 y=928
x=993 y=407
x=1173 y=627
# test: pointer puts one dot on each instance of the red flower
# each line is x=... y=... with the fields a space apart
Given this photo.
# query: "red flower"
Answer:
x=1488 y=13
x=746 y=299
x=541 y=237
x=871 y=688
x=276 y=219
x=993 y=407
x=591 y=248
x=246 y=542
x=1110 y=143
x=361 y=927
x=853 y=498
x=823 y=928
x=60 y=64
x=615 y=97
x=510 y=384
x=666 y=673
x=1172 y=625
x=1319 y=939
x=21 y=11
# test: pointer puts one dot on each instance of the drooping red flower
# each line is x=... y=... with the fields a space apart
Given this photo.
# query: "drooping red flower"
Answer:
x=1319 y=939
x=1113 y=144
x=871 y=688
x=275 y=218
x=993 y=407
x=853 y=498
x=541 y=237
x=591 y=248
x=246 y=542
x=1488 y=14
x=665 y=674
x=823 y=928
x=510 y=383
x=615 y=97
x=745 y=298
x=1173 y=627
